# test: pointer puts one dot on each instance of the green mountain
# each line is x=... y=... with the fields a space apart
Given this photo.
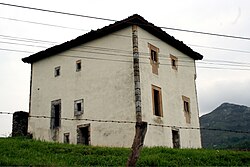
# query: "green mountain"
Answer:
x=227 y=117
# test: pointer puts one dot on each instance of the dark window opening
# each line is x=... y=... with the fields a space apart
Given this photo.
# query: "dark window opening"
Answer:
x=83 y=135
x=154 y=56
x=157 y=106
x=176 y=139
x=55 y=114
x=66 y=137
x=78 y=107
x=174 y=61
x=186 y=107
x=156 y=103
x=57 y=71
x=78 y=65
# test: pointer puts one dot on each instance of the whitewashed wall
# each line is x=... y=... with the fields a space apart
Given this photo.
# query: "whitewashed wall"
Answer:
x=107 y=87
x=173 y=84
x=105 y=83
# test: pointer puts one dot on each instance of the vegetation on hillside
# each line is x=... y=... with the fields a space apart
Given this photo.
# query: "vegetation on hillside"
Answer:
x=26 y=152
x=230 y=117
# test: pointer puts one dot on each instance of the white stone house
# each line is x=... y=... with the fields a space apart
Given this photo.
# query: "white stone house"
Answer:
x=92 y=78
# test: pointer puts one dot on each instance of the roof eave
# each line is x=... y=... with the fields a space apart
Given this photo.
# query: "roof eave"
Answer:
x=92 y=35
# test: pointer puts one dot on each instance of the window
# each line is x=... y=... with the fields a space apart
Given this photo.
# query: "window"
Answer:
x=157 y=101
x=154 y=59
x=66 y=138
x=78 y=65
x=78 y=107
x=186 y=107
x=57 y=71
x=55 y=114
x=174 y=61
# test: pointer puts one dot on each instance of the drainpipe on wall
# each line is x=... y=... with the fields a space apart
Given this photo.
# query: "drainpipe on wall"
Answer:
x=140 y=127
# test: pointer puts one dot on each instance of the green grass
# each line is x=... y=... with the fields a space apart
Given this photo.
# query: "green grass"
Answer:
x=24 y=152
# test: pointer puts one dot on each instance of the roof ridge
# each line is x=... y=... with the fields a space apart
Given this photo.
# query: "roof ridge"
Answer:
x=134 y=19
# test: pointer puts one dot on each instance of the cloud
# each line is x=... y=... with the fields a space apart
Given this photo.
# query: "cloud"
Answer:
x=5 y=123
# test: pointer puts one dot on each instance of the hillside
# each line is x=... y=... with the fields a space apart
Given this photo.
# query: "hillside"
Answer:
x=226 y=116
x=27 y=152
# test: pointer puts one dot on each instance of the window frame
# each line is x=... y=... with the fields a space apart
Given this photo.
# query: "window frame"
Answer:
x=174 y=62
x=76 y=107
x=160 y=108
x=186 y=108
x=83 y=138
x=54 y=116
x=154 y=64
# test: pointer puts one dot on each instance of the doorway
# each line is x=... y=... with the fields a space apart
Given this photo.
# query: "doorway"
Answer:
x=176 y=138
x=83 y=134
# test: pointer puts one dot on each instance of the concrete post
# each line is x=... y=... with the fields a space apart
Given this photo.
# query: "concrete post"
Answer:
x=140 y=127
x=136 y=74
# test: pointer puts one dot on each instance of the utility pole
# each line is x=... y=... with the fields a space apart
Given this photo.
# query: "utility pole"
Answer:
x=140 y=127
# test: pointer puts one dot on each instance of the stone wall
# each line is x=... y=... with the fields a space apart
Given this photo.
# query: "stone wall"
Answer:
x=20 y=123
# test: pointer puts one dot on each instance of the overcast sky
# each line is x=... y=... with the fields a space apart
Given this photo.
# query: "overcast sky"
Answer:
x=214 y=85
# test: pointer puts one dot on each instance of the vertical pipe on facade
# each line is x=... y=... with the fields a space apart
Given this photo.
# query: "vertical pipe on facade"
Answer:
x=136 y=74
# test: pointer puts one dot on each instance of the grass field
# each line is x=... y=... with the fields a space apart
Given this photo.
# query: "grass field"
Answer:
x=24 y=152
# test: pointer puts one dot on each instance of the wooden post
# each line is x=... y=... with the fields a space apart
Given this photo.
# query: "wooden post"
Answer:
x=140 y=127
x=140 y=132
